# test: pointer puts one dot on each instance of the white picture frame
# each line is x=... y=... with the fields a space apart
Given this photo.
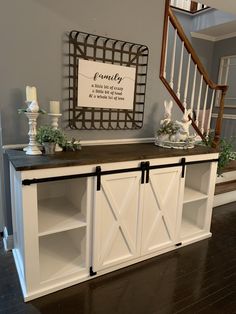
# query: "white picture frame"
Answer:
x=103 y=85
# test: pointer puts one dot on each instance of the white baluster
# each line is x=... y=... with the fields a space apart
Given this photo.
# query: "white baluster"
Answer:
x=167 y=38
x=199 y=100
x=173 y=62
x=210 y=113
x=204 y=110
x=187 y=82
x=179 y=4
x=187 y=5
x=194 y=87
x=180 y=70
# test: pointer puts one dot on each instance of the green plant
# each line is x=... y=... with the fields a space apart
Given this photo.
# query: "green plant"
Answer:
x=71 y=145
x=168 y=128
x=226 y=152
x=48 y=134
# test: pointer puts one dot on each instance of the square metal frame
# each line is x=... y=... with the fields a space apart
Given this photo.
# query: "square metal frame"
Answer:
x=106 y=50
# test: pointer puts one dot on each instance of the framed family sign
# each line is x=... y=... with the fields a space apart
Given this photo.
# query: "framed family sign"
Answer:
x=107 y=82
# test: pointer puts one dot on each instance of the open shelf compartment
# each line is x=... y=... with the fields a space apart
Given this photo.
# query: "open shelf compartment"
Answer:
x=197 y=182
x=193 y=218
x=61 y=205
x=62 y=254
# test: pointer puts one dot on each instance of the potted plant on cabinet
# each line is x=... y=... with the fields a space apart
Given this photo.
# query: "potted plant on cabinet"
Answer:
x=49 y=137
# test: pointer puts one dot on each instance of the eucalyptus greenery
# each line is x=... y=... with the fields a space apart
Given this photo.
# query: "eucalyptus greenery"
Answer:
x=226 y=151
x=168 y=128
x=49 y=134
x=72 y=145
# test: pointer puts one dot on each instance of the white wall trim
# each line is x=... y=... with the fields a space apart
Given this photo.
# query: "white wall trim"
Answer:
x=179 y=10
x=94 y=142
x=202 y=36
x=13 y=146
x=212 y=38
x=7 y=240
x=225 y=116
x=118 y=141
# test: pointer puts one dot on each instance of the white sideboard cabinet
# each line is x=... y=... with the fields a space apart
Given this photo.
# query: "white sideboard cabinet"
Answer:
x=75 y=219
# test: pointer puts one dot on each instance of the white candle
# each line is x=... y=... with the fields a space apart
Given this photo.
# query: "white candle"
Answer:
x=55 y=107
x=31 y=93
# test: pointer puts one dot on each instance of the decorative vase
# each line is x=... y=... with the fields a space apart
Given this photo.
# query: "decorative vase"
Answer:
x=49 y=148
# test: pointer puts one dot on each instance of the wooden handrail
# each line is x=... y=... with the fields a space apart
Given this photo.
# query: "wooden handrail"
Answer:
x=170 y=18
x=190 y=50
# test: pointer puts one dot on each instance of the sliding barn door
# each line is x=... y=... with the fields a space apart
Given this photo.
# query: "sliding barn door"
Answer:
x=116 y=220
x=160 y=209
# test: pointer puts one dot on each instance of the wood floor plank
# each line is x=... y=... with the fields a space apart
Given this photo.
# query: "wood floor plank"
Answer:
x=199 y=278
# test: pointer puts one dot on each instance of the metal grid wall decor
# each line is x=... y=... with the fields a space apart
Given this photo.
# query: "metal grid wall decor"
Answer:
x=112 y=51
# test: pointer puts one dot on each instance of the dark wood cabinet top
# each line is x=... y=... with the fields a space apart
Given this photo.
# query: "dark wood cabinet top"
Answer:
x=99 y=154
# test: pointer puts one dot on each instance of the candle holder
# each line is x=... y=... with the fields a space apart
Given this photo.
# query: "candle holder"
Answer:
x=32 y=148
x=54 y=123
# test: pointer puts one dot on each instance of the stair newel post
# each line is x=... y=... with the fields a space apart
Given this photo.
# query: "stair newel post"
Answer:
x=210 y=115
x=219 y=120
x=204 y=109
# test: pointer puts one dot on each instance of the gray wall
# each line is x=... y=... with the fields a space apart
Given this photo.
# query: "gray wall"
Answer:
x=211 y=52
x=32 y=33
x=32 y=36
x=203 y=48
x=2 y=186
x=223 y=48
x=211 y=17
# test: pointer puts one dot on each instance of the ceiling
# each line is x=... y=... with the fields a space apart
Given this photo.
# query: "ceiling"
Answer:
x=223 y=5
x=221 y=31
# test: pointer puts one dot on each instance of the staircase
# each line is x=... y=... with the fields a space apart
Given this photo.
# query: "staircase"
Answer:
x=187 y=81
x=225 y=191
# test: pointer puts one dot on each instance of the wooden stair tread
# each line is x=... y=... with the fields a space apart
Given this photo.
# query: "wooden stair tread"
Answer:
x=225 y=187
x=231 y=166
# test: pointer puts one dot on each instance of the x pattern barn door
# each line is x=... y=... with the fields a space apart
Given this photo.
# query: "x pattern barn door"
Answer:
x=116 y=220
x=160 y=209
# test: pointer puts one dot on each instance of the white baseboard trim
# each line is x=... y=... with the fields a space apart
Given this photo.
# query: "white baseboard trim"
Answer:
x=118 y=141
x=94 y=142
x=224 y=198
x=7 y=240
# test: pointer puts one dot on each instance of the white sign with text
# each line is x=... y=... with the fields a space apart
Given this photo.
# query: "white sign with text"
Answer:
x=103 y=85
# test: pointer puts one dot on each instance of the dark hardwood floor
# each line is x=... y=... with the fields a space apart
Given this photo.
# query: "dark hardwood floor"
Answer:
x=200 y=278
